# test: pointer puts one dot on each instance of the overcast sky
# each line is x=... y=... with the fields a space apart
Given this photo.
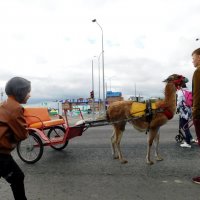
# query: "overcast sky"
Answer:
x=53 y=42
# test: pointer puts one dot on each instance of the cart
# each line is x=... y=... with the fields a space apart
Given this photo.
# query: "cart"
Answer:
x=45 y=131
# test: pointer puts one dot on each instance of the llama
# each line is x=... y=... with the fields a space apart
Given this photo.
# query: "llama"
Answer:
x=120 y=112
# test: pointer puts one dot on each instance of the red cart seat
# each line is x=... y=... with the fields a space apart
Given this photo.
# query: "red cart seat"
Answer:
x=38 y=117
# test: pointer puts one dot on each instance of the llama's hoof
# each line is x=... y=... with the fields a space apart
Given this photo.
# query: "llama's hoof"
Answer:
x=124 y=161
x=115 y=157
x=150 y=162
x=159 y=158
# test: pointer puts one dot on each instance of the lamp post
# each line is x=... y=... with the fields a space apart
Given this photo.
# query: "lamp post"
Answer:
x=110 y=78
x=99 y=82
x=104 y=102
x=93 y=89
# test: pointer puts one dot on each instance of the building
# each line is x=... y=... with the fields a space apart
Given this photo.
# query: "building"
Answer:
x=136 y=98
x=113 y=96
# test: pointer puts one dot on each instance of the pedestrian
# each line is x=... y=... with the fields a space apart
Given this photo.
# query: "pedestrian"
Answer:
x=185 y=114
x=196 y=99
x=13 y=129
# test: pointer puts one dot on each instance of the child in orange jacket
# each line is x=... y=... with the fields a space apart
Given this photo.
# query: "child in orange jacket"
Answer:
x=13 y=129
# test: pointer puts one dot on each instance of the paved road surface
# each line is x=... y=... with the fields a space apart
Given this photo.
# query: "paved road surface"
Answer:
x=85 y=170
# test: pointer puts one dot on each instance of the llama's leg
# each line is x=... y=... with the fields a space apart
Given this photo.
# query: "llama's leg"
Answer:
x=152 y=134
x=119 y=134
x=113 y=145
x=156 y=143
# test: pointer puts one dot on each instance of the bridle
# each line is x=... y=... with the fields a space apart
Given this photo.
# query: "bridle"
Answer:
x=178 y=81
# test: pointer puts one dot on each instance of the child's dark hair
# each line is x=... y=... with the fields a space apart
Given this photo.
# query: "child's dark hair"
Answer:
x=18 y=88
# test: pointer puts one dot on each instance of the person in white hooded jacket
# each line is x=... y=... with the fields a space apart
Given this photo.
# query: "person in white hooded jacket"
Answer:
x=185 y=114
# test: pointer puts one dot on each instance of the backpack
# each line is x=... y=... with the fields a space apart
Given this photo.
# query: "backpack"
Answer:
x=188 y=98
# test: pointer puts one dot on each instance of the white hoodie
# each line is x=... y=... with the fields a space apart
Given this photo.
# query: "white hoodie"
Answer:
x=184 y=111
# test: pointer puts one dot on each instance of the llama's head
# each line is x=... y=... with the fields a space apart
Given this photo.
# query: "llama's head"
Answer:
x=177 y=79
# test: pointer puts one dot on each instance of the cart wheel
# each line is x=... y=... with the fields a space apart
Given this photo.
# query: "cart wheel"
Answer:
x=30 y=150
x=56 y=132
x=179 y=138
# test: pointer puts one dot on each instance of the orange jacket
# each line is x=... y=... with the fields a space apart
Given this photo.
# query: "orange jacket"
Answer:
x=13 y=127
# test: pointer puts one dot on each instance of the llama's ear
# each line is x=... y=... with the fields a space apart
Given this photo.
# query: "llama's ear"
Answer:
x=170 y=78
x=166 y=80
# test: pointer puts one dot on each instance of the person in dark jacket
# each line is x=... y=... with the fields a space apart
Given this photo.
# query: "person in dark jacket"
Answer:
x=196 y=99
x=13 y=129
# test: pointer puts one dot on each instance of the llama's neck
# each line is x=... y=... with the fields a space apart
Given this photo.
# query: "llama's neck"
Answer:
x=170 y=97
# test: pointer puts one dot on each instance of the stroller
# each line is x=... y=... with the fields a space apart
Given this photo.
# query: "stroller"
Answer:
x=181 y=136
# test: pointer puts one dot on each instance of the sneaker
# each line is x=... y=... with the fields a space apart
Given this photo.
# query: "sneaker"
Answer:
x=193 y=141
x=196 y=180
x=196 y=142
x=185 y=145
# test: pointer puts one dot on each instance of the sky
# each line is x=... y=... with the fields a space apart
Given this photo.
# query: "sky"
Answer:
x=53 y=43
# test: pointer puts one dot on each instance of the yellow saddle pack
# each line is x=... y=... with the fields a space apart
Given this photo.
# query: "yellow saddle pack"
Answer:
x=139 y=109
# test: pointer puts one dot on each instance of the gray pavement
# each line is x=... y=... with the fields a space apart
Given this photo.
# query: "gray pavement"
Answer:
x=85 y=170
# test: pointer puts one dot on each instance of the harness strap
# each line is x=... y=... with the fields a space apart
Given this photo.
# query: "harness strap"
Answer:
x=166 y=112
x=162 y=109
x=149 y=114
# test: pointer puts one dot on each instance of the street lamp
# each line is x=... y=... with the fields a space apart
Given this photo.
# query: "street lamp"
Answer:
x=110 y=78
x=99 y=82
x=92 y=90
x=104 y=102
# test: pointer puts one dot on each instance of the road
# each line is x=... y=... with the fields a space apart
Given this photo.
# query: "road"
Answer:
x=85 y=170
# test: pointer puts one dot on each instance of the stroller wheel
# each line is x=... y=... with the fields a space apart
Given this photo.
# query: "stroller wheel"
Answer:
x=179 y=138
